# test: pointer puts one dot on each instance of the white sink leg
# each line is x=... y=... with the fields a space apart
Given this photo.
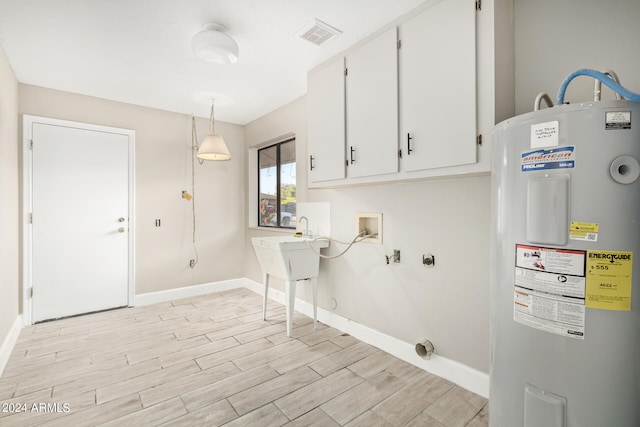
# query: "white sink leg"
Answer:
x=290 y=291
x=314 y=288
x=265 y=280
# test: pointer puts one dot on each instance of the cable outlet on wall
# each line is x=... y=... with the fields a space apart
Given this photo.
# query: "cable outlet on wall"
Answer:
x=370 y=224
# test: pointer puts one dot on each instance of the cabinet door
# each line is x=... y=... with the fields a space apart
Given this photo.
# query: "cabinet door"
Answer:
x=326 y=122
x=438 y=86
x=372 y=106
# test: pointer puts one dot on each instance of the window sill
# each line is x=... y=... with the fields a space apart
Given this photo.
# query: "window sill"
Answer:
x=273 y=229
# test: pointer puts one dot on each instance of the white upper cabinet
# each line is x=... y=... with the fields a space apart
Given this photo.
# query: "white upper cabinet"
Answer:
x=326 y=122
x=372 y=106
x=413 y=101
x=438 y=87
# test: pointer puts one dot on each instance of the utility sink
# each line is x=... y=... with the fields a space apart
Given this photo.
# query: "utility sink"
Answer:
x=291 y=259
x=288 y=257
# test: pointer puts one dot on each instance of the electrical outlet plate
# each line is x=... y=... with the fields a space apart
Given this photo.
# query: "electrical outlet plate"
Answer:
x=372 y=224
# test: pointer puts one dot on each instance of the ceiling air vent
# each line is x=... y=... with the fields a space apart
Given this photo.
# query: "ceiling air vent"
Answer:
x=318 y=32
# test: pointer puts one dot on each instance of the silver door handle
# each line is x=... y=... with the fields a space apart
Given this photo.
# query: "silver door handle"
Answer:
x=121 y=230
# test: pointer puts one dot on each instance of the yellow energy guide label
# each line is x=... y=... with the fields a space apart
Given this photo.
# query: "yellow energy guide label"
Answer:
x=583 y=231
x=609 y=280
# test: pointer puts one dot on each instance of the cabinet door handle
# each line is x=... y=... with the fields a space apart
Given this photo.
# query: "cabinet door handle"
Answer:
x=311 y=162
x=409 y=149
x=351 y=156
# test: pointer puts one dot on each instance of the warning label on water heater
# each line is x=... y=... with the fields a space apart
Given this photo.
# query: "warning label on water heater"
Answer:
x=549 y=290
x=587 y=231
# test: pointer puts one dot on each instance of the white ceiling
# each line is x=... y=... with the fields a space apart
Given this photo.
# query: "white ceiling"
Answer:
x=139 y=51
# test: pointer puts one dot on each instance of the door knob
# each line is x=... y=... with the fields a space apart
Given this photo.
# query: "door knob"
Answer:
x=121 y=219
x=121 y=230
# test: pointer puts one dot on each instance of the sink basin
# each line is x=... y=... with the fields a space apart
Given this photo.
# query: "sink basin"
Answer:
x=290 y=259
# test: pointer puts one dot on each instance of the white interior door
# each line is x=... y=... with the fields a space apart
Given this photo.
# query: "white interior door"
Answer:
x=80 y=226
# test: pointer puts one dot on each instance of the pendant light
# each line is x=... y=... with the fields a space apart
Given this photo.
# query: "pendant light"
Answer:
x=213 y=146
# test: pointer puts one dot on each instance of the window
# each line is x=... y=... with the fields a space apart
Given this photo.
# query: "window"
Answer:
x=277 y=185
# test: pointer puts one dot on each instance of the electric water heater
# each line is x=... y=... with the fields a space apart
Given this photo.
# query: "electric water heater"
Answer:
x=565 y=294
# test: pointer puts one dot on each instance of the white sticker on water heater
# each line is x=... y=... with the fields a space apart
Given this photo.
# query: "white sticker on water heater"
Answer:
x=544 y=134
x=549 y=290
x=617 y=120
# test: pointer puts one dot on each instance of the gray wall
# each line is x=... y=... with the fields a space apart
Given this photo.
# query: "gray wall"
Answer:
x=554 y=38
x=9 y=238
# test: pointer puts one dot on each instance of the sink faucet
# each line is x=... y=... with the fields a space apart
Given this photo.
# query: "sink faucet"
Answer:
x=306 y=223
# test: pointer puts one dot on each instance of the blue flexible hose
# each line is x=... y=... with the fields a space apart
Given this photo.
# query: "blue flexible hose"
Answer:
x=608 y=81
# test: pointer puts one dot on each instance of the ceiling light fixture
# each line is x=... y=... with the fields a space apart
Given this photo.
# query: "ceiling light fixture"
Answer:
x=213 y=45
x=213 y=146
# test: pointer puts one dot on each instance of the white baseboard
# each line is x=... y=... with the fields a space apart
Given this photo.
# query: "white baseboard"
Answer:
x=188 y=291
x=462 y=375
x=9 y=342
x=258 y=288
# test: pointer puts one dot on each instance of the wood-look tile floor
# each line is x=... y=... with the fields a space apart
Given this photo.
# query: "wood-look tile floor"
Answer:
x=212 y=360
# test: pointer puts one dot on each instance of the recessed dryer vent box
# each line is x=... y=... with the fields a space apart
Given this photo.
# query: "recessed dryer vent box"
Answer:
x=370 y=223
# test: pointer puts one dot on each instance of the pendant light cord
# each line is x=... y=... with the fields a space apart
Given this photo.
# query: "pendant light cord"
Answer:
x=212 y=120
x=194 y=149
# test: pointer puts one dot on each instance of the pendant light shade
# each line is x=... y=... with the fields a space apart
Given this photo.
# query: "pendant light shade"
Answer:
x=213 y=45
x=213 y=148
